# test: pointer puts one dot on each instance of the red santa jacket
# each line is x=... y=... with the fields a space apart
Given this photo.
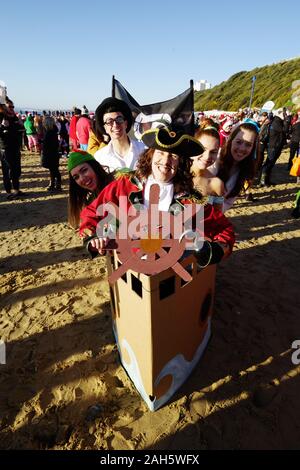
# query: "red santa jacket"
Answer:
x=72 y=129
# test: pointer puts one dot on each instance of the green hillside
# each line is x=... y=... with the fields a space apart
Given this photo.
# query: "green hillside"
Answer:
x=273 y=82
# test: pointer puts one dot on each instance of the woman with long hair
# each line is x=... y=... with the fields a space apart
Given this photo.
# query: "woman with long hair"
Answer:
x=237 y=162
x=87 y=178
x=202 y=171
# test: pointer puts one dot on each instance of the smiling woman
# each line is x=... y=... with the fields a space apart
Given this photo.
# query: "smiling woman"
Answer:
x=203 y=176
x=86 y=179
x=238 y=159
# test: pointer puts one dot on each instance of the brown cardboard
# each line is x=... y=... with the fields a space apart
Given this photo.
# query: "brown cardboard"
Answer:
x=162 y=326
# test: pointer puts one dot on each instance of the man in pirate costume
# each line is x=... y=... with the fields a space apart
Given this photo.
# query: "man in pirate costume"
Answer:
x=167 y=163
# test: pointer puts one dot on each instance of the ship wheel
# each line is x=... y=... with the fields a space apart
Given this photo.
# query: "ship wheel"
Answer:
x=155 y=251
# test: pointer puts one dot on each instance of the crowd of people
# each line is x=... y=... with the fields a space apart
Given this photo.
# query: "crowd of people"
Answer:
x=238 y=150
x=274 y=131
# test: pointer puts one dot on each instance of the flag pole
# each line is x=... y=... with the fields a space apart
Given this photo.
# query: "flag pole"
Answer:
x=192 y=90
x=113 y=87
x=193 y=104
x=252 y=91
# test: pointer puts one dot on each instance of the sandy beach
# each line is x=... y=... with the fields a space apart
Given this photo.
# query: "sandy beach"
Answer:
x=63 y=387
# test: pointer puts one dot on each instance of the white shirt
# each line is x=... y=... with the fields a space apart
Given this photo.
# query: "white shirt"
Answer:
x=166 y=194
x=108 y=157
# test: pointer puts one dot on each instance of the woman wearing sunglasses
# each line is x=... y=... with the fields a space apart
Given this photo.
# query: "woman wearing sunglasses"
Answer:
x=114 y=119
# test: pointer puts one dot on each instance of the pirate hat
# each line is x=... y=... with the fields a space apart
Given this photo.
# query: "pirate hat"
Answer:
x=178 y=143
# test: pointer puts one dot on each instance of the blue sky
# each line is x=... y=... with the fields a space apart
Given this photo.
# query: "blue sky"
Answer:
x=57 y=54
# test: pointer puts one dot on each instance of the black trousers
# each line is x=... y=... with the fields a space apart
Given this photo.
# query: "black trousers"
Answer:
x=55 y=176
x=262 y=148
x=273 y=155
x=11 y=170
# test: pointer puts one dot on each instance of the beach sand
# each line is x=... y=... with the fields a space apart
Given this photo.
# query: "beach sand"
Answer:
x=63 y=387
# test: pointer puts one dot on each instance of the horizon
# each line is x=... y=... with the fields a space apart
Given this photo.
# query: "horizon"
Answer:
x=41 y=109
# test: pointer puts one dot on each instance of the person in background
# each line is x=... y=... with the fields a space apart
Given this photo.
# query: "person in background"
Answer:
x=208 y=122
x=86 y=179
x=10 y=153
x=83 y=127
x=63 y=134
x=287 y=122
x=96 y=139
x=72 y=131
x=21 y=132
x=263 y=139
x=25 y=144
x=50 y=154
x=38 y=124
x=200 y=118
x=295 y=140
x=225 y=131
x=31 y=134
x=114 y=119
x=277 y=139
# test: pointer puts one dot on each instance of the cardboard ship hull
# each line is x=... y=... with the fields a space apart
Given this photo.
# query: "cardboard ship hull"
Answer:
x=162 y=326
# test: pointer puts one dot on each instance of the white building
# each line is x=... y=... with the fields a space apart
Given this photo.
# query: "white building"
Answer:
x=202 y=85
